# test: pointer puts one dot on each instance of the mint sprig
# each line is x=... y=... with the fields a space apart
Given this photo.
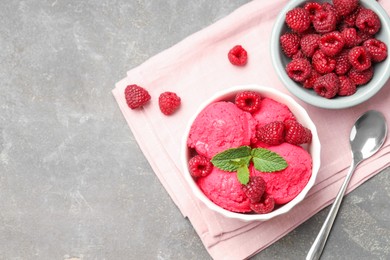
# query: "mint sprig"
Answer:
x=238 y=159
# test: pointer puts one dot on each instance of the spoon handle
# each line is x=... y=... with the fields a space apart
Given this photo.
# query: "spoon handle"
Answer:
x=320 y=241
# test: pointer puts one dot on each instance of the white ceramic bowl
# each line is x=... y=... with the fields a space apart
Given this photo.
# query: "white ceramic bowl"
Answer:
x=363 y=93
x=314 y=149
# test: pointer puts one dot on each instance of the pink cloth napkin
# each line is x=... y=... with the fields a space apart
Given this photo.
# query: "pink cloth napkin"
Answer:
x=196 y=68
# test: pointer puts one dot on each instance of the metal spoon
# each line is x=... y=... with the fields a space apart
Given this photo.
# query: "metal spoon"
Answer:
x=367 y=136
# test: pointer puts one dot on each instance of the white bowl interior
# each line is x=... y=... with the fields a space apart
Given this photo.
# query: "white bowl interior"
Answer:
x=300 y=113
x=363 y=93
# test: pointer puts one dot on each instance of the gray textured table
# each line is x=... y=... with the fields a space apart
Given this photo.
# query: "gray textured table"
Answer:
x=73 y=182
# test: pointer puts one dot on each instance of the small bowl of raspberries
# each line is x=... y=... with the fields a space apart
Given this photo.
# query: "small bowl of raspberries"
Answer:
x=250 y=153
x=332 y=54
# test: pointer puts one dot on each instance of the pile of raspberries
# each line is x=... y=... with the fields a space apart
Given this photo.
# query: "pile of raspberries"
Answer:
x=332 y=46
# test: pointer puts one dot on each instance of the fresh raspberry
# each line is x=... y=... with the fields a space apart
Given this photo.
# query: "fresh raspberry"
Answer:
x=342 y=63
x=136 y=96
x=376 y=48
x=296 y=133
x=363 y=36
x=347 y=87
x=271 y=133
x=361 y=77
x=199 y=166
x=359 y=58
x=299 y=69
x=169 y=102
x=351 y=18
x=254 y=189
x=312 y=8
x=238 y=56
x=350 y=36
x=368 y=21
x=299 y=55
x=325 y=21
x=309 y=44
x=309 y=82
x=290 y=43
x=331 y=43
x=249 y=101
x=298 y=19
x=266 y=205
x=345 y=7
x=327 y=85
x=323 y=63
x=328 y=7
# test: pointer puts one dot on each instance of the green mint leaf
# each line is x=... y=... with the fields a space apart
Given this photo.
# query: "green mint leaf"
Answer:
x=232 y=159
x=243 y=174
x=267 y=161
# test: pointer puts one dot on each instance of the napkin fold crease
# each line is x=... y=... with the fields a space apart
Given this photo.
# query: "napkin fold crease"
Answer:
x=195 y=69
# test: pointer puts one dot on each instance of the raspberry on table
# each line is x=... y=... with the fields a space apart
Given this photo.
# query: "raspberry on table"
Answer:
x=368 y=21
x=345 y=7
x=200 y=166
x=327 y=85
x=342 y=63
x=298 y=19
x=309 y=82
x=376 y=48
x=266 y=205
x=249 y=101
x=361 y=77
x=347 y=87
x=309 y=44
x=323 y=63
x=169 y=102
x=238 y=56
x=298 y=69
x=254 y=189
x=290 y=43
x=359 y=58
x=331 y=43
x=136 y=96
x=296 y=133
x=325 y=21
x=350 y=36
x=271 y=133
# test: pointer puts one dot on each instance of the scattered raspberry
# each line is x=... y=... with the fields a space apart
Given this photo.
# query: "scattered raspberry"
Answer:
x=350 y=36
x=342 y=63
x=361 y=77
x=290 y=43
x=265 y=206
x=345 y=7
x=169 y=102
x=327 y=85
x=238 y=56
x=309 y=44
x=271 y=133
x=299 y=69
x=347 y=87
x=359 y=58
x=323 y=63
x=331 y=43
x=309 y=82
x=255 y=188
x=368 y=21
x=296 y=133
x=325 y=21
x=199 y=166
x=376 y=48
x=136 y=96
x=312 y=8
x=249 y=101
x=298 y=19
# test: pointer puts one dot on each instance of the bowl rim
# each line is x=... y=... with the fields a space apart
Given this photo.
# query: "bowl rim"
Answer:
x=302 y=116
x=315 y=100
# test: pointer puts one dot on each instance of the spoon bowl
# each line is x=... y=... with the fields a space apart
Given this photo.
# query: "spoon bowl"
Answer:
x=367 y=136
